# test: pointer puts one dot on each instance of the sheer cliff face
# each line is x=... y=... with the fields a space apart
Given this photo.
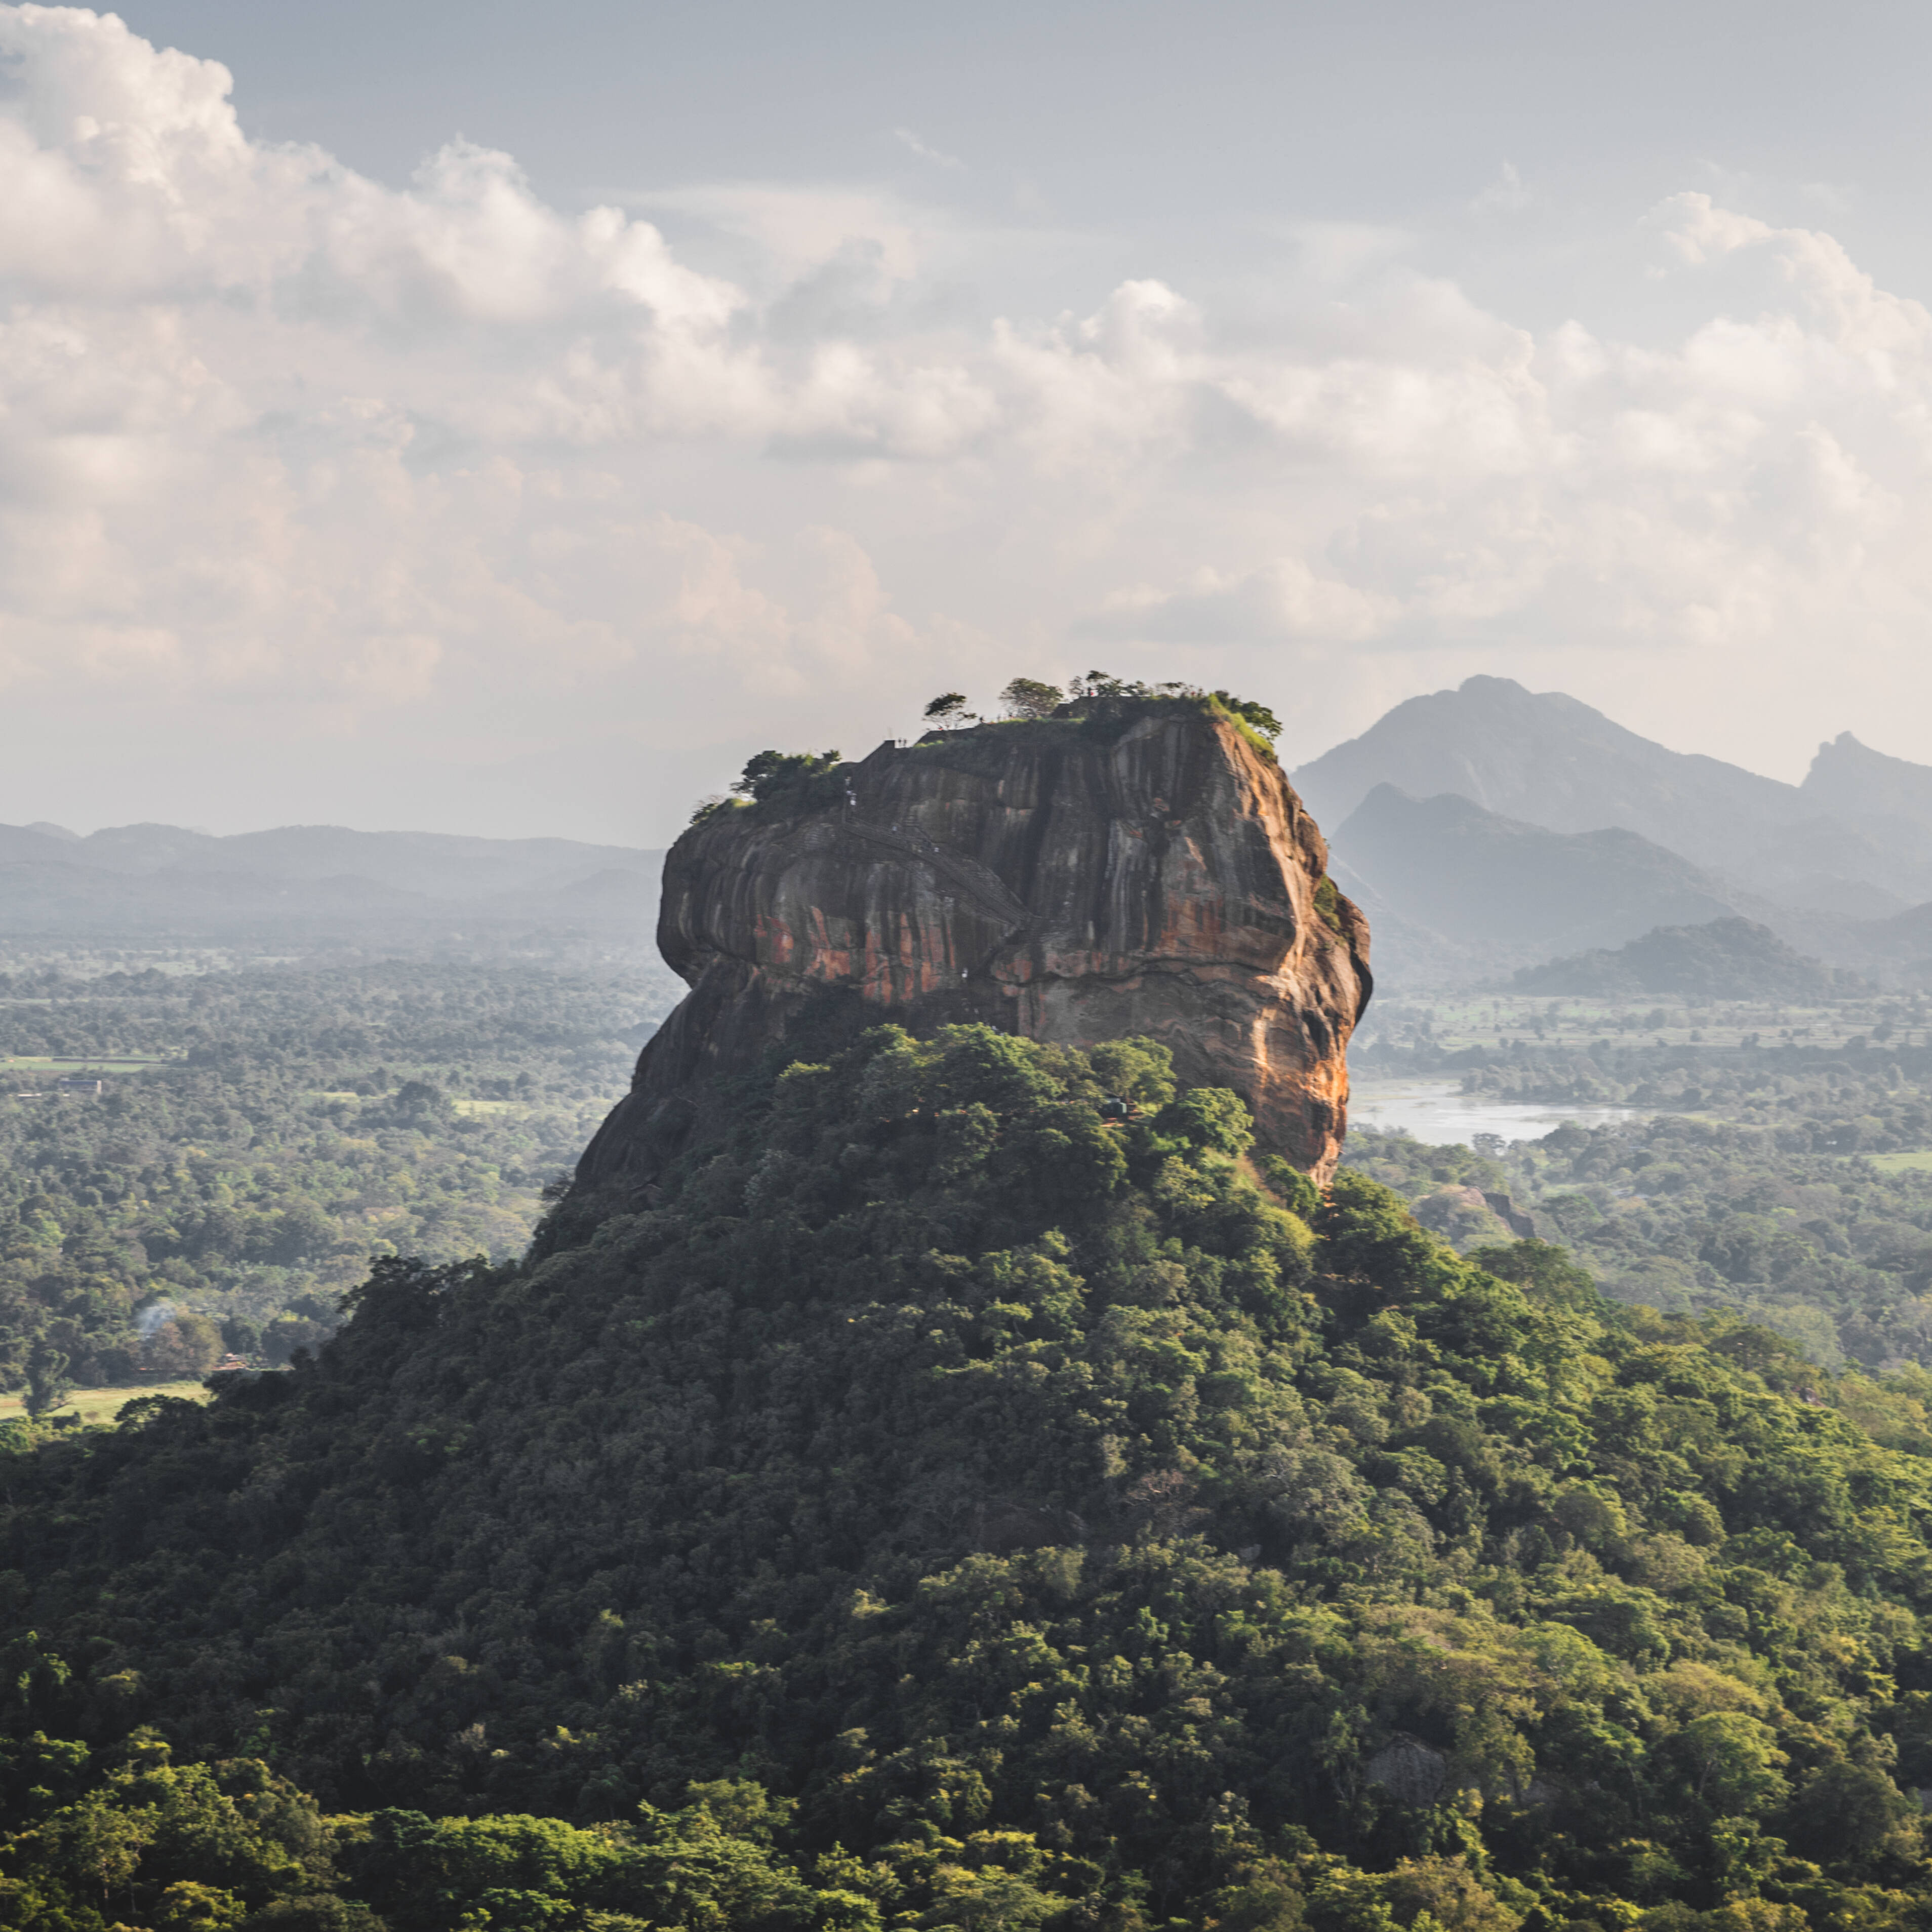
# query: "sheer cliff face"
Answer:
x=1142 y=868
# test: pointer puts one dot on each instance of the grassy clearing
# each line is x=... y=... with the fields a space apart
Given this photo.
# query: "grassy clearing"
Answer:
x=121 y=1063
x=102 y=1404
x=1901 y=1163
x=1561 y=1023
x=464 y=1108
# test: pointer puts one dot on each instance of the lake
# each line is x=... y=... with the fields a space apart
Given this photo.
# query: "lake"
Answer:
x=1439 y=1112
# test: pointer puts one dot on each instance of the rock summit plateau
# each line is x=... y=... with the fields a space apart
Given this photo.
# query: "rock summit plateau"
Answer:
x=1126 y=865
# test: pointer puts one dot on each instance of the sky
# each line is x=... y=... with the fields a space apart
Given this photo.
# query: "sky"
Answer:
x=502 y=420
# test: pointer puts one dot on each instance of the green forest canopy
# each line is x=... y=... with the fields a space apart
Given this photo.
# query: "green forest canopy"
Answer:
x=941 y=1505
x=299 y=1120
x=1772 y=1165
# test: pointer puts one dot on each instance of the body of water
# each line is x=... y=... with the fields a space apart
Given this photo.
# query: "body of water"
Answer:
x=1439 y=1112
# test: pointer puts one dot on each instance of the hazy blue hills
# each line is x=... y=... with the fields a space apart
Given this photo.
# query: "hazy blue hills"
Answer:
x=1841 y=864
x=1549 y=830
x=1553 y=761
x=1897 y=949
x=1456 y=883
x=444 y=864
x=312 y=882
x=1852 y=779
x=1888 y=800
x=1722 y=959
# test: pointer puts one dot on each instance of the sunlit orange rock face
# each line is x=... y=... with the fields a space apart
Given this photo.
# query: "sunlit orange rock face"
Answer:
x=1127 y=866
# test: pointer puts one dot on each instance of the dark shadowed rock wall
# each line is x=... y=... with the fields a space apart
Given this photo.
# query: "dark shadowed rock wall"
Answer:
x=1127 y=866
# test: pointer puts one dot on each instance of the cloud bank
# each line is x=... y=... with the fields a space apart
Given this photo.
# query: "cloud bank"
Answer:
x=364 y=489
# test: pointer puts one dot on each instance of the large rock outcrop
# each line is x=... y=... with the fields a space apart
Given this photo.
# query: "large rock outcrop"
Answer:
x=1126 y=866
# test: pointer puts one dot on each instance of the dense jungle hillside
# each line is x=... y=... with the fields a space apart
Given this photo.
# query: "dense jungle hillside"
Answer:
x=941 y=1504
x=201 y=1161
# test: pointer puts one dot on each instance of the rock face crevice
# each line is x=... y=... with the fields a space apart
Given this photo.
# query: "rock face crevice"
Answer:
x=1126 y=866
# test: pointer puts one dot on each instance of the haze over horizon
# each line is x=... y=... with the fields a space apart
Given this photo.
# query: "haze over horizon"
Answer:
x=472 y=421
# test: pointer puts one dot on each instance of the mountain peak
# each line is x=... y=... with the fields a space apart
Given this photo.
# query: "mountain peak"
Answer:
x=1549 y=760
x=1871 y=789
x=1500 y=889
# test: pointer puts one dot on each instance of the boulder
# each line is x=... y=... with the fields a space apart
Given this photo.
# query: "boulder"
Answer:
x=1127 y=865
x=1411 y=1772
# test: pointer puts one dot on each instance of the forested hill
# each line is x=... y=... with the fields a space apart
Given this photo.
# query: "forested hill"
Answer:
x=1723 y=959
x=944 y=1505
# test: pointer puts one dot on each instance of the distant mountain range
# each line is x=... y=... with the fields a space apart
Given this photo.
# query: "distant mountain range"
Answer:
x=1443 y=880
x=1479 y=877
x=1484 y=830
x=316 y=883
x=1887 y=800
x=1550 y=760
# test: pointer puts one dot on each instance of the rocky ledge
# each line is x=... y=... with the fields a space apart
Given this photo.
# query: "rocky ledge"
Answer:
x=1126 y=865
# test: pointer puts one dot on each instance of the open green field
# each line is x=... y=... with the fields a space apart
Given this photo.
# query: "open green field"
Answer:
x=126 y=1062
x=464 y=1109
x=1902 y=1163
x=1578 y=1025
x=102 y=1404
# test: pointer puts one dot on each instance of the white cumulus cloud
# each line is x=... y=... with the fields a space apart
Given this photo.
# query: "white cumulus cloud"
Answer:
x=378 y=468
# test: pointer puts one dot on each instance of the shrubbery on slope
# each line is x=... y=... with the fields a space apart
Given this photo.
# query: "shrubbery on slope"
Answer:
x=966 y=1508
